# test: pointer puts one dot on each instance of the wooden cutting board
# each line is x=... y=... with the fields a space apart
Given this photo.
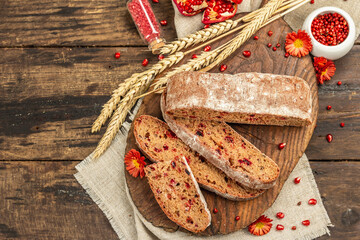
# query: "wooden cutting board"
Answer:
x=266 y=138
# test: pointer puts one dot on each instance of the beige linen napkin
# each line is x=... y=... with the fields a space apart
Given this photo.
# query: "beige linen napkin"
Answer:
x=185 y=25
x=104 y=181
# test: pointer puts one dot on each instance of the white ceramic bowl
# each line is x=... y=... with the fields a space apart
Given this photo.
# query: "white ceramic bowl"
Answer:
x=330 y=52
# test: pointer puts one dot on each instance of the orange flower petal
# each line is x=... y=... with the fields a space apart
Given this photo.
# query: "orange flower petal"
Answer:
x=261 y=226
x=324 y=68
x=135 y=163
x=298 y=44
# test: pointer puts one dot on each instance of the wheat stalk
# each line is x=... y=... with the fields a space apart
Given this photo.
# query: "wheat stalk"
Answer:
x=124 y=87
x=216 y=30
x=205 y=59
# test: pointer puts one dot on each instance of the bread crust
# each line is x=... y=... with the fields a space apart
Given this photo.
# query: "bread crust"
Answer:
x=217 y=191
x=274 y=99
x=193 y=142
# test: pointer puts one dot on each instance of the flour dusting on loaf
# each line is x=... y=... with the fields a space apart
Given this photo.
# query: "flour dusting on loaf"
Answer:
x=251 y=98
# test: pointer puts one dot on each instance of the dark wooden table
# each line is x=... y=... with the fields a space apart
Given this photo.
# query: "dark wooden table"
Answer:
x=58 y=68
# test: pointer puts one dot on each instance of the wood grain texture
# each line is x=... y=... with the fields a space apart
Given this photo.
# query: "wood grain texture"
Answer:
x=266 y=138
x=345 y=102
x=42 y=200
x=50 y=97
x=74 y=23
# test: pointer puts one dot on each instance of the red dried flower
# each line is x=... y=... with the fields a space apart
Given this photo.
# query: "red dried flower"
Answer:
x=261 y=226
x=298 y=44
x=135 y=163
x=324 y=68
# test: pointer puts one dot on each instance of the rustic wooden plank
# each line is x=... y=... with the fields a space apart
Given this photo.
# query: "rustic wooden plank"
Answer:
x=50 y=97
x=345 y=102
x=341 y=196
x=74 y=23
x=42 y=200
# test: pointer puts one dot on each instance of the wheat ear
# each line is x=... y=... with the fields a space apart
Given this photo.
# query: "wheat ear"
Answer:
x=215 y=30
x=124 y=87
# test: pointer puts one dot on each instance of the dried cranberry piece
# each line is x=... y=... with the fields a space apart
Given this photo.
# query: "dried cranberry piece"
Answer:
x=246 y=161
x=157 y=150
x=189 y=220
x=229 y=139
x=187 y=185
x=173 y=164
x=200 y=133
x=166 y=147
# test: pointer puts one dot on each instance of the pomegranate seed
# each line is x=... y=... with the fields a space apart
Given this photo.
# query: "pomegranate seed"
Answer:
x=293 y=227
x=339 y=83
x=312 y=1
x=237 y=218
x=161 y=57
x=270 y=33
x=312 y=201
x=117 y=55
x=215 y=210
x=280 y=215
x=223 y=67
x=278 y=45
x=207 y=26
x=282 y=145
x=163 y=22
x=306 y=222
x=145 y=62
x=329 y=138
x=279 y=227
x=207 y=48
x=274 y=49
x=297 y=180
x=247 y=54
x=256 y=37
x=155 y=1
x=269 y=45
x=328 y=107
x=342 y=124
x=287 y=55
x=194 y=56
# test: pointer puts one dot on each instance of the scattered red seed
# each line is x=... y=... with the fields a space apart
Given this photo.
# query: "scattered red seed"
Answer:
x=207 y=26
x=145 y=62
x=312 y=201
x=223 y=67
x=237 y=218
x=287 y=55
x=207 y=48
x=194 y=56
x=342 y=124
x=329 y=137
x=339 y=83
x=274 y=49
x=161 y=57
x=306 y=222
x=163 y=22
x=299 y=203
x=312 y=1
x=278 y=45
x=247 y=53
x=282 y=145
x=270 y=33
x=293 y=227
x=269 y=45
x=297 y=180
x=256 y=37
x=280 y=215
x=155 y=1
x=215 y=210
x=279 y=227
x=328 y=107
x=117 y=55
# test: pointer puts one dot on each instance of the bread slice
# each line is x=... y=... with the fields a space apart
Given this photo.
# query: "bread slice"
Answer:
x=226 y=149
x=178 y=194
x=249 y=98
x=159 y=144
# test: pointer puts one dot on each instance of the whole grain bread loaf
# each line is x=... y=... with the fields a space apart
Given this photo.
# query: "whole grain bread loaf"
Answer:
x=249 y=98
x=159 y=144
x=178 y=194
x=225 y=149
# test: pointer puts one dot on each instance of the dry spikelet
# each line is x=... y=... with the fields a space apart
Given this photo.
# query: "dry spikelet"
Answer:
x=124 y=87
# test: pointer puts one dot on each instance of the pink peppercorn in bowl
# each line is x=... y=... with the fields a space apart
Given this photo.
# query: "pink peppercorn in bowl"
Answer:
x=335 y=46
